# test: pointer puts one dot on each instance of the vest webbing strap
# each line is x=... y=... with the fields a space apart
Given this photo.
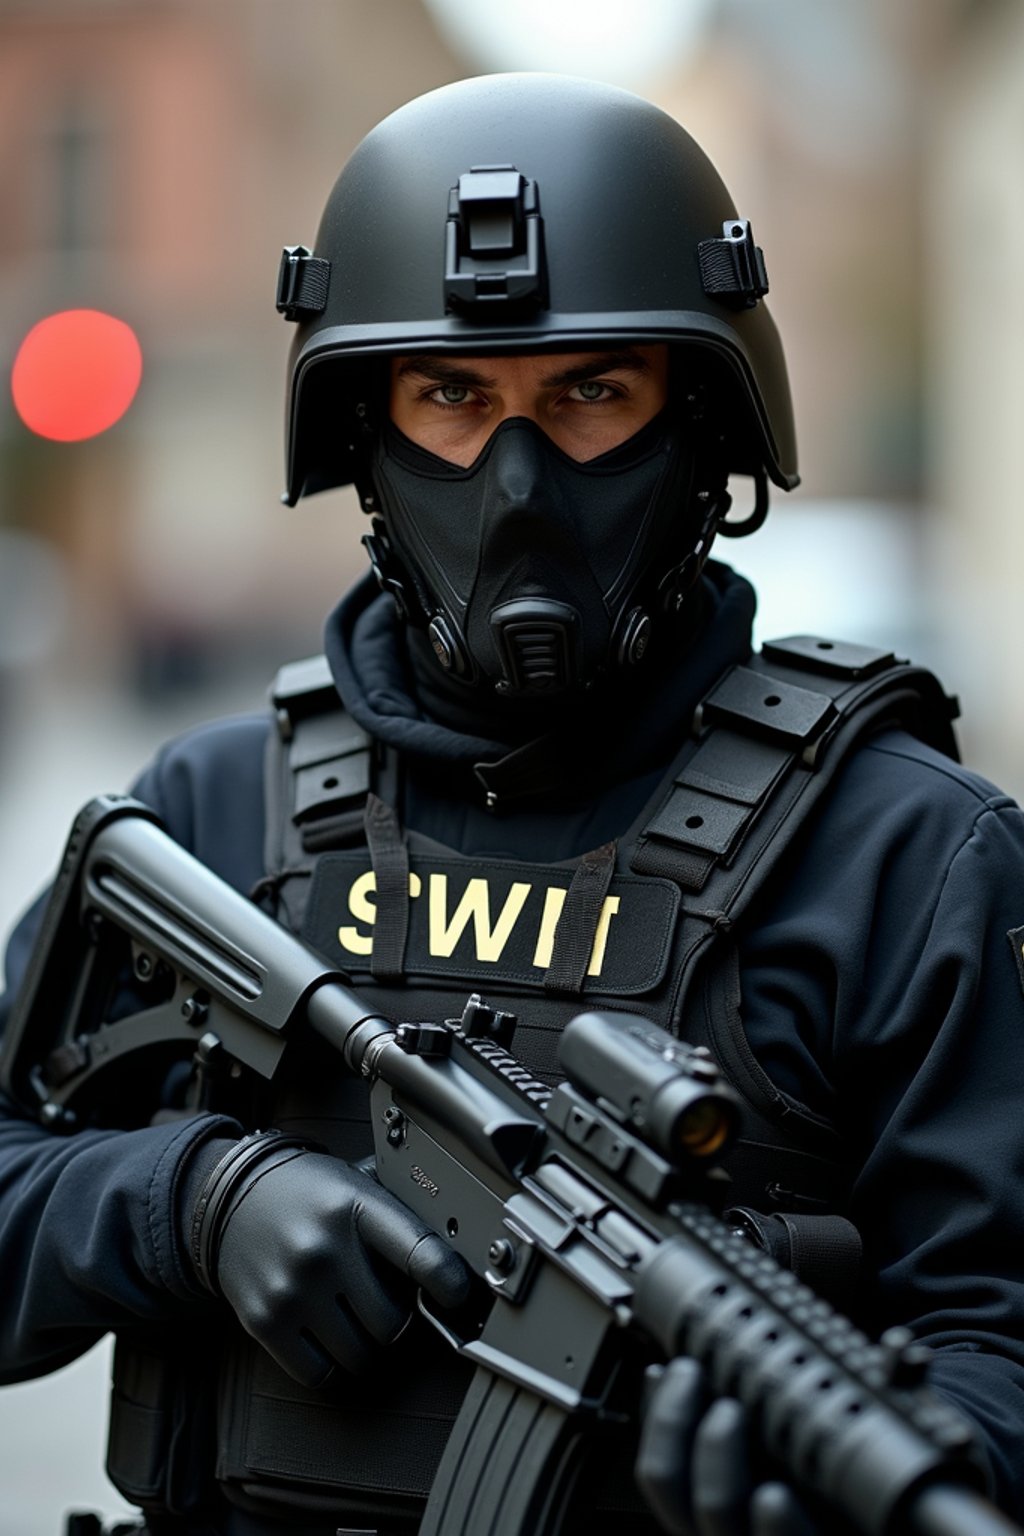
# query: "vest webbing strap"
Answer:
x=770 y=738
x=577 y=925
x=319 y=772
x=390 y=860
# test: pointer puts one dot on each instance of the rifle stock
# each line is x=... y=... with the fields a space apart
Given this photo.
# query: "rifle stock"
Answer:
x=584 y=1209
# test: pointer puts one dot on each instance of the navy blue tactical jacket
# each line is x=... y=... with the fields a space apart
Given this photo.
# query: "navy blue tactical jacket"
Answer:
x=882 y=987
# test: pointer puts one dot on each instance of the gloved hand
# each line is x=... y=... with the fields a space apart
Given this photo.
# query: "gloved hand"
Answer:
x=315 y=1258
x=694 y=1467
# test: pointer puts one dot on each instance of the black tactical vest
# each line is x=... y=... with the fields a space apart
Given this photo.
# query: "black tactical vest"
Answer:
x=647 y=924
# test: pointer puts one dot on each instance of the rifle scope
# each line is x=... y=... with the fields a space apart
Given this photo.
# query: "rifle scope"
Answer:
x=670 y=1093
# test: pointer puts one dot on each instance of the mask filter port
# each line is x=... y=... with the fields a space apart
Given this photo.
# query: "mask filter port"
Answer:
x=535 y=640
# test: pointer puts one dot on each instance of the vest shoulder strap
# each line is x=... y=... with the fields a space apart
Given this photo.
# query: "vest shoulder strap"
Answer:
x=768 y=741
x=319 y=770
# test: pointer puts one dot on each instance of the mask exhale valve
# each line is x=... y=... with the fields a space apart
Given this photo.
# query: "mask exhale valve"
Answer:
x=535 y=574
x=535 y=638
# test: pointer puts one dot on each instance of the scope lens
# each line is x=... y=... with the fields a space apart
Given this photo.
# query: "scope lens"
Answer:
x=704 y=1128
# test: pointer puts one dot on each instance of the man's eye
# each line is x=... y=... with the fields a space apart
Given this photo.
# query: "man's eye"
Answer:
x=591 y=389
x=452 y=394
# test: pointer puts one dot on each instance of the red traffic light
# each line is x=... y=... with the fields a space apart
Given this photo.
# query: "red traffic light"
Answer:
x=75 y=374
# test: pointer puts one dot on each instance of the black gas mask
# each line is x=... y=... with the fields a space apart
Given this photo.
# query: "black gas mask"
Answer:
x=533 y=573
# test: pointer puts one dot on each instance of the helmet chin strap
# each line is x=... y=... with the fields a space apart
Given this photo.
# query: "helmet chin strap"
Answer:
x=680 y=579
x=753 y=520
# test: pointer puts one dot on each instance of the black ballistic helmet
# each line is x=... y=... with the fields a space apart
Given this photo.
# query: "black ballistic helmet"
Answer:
x=522 y=212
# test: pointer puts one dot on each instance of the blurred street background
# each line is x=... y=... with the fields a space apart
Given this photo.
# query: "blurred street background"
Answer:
x=155 y=155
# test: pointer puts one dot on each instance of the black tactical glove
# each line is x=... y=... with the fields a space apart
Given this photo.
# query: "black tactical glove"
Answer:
x=311 y=1252
x=694 y=1467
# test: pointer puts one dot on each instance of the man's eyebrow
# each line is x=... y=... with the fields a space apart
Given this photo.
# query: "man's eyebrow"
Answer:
x=623 y=360
x=442 y=370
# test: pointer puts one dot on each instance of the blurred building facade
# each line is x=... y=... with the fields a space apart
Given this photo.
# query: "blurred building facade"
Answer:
x=156 y=154
x=974 y=383
x=154 y=158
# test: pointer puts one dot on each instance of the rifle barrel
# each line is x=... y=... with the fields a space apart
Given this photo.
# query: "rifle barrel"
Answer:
x=945 y=1510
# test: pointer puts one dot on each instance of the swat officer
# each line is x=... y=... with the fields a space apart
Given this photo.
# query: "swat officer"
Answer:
x=540 y=760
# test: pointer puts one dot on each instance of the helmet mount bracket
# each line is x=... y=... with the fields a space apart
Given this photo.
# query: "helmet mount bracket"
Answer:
x=493 y=245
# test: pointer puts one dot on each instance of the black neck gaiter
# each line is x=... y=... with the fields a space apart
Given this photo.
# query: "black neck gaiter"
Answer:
x=608 y=732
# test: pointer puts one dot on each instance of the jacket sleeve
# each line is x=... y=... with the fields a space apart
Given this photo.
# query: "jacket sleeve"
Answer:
x=885 y=991
x=88 y=1240
x=941 y=1187
x=90 y=1237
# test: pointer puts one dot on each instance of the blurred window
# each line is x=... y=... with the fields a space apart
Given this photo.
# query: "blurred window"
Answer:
x=77 y=176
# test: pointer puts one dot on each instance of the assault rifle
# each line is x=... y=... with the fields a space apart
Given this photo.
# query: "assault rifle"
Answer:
x=583 y=1209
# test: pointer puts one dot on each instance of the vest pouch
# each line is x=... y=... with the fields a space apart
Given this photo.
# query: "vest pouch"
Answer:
x=362 y=1452
x=160 y=1438
x=362 y=1448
